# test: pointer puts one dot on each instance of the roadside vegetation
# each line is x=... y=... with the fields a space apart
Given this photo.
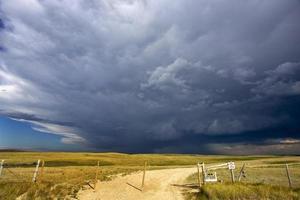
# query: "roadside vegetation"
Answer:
x=244 y=191
x=56 y=182
x=265 y=179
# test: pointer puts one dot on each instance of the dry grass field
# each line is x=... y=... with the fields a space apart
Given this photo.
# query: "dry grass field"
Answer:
x=65 y=174
x=265 y=179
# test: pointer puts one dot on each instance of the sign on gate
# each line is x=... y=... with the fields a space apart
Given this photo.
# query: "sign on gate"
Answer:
x=231 y=165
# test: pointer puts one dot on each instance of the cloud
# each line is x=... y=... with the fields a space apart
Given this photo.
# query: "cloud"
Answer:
x=283 y=80
x=119 y=75
x=225 y=126
x=164 y=77
x=284 y=141
x=68 y=134
x=290 y=141
x=241 y=149
x=271 y=146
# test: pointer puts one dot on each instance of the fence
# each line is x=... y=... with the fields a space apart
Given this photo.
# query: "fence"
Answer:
x=274 y=174
x=18 y=172
x=37 y=172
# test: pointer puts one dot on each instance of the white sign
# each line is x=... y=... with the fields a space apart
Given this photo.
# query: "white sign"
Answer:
x=231 y=165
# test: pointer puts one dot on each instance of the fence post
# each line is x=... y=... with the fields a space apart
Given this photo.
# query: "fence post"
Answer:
x=241 y=172
x=231 y=167
x=1 y=166
x=203 y=173
x=144 y=174
x=232 y=175
x=36 y=171
x=288 y=175
x=97 y=171
x=199 y=176
x=42 y=171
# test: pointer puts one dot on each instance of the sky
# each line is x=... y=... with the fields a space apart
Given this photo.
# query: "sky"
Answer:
x=148 y=76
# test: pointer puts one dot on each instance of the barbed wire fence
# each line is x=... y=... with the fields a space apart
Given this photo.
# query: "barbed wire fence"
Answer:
x=283 y=174
x=17 y=172
x=37 y=172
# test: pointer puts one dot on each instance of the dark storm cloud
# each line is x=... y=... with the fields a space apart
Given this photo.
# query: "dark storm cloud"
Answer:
x=148 y=75
x=1 y=24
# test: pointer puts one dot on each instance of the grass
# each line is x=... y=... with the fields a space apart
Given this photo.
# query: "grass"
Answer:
x=66 y=173
x=57 y=159
x=265 y=179
x=244 y=191
x=56 y=182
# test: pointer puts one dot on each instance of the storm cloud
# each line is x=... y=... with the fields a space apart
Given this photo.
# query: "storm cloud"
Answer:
x=154 y=76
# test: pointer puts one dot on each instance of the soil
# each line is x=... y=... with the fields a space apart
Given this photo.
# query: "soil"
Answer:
x=165 y=184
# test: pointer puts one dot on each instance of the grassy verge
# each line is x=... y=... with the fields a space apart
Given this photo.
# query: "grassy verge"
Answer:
x=243 y=191
x=264 y=182
x=56 y=183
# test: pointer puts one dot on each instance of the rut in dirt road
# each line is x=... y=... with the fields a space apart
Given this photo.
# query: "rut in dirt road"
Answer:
x=159 y=184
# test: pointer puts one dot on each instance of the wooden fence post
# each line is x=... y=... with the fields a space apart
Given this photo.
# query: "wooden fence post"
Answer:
x=1 y=166
x=203 y=173
x=232 y=176
x=288 y=175
x=42 y=171
x=97 y=172
x=36 y=171
x=199 y=176
x=231 y=167
x=241 y=172
x=144 y=174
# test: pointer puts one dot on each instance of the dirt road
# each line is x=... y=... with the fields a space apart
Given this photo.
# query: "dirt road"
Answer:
x=159 y=184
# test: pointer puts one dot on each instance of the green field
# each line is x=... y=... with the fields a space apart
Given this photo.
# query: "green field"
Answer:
x=64 y=174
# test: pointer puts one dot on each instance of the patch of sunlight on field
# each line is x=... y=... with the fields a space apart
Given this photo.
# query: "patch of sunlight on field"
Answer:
x=81 y=159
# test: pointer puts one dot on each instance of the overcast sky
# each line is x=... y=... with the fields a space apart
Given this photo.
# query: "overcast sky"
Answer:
x=189 y=76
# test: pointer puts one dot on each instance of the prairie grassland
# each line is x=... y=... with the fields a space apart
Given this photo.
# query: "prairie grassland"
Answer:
x=66 y=173
x=57 y=159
